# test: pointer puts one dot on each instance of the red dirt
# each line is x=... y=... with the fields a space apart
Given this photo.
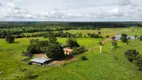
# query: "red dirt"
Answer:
x=62 y=62
x=108 y=39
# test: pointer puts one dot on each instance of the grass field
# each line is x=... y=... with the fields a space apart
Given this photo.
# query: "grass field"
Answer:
x=98 y=66
x=105 y=31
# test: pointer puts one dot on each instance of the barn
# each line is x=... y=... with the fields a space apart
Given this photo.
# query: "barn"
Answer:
x=41 y=61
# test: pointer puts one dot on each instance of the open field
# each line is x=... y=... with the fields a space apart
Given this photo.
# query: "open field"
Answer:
x=98 y=66
x=105 y=31
x=110 y=31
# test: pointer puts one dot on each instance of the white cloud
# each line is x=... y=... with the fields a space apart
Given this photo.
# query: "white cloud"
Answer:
x=80 y=10
x=116 y=12
x=124 y=2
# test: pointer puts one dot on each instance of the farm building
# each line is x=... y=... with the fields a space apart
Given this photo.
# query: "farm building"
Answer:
x=68 y=51
x=41 y=61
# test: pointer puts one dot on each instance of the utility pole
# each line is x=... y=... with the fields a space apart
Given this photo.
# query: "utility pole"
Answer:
x=101 y=48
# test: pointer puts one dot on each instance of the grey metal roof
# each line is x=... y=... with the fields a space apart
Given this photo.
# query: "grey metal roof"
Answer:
x=40 y=60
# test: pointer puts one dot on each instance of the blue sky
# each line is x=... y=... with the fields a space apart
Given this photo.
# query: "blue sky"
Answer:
x=70 y=10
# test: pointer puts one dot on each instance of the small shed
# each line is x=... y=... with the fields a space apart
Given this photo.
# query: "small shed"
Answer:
x=41 y=61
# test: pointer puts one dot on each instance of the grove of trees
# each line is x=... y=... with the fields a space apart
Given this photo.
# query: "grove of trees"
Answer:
x=52 y=48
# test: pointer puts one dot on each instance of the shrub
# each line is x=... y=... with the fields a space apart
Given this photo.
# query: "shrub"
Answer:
x=93 y=35
x=84 y=58
x=79 y=50
x=115 y=57
x=100 y=43
x=139 y=63
x=140 y=38
x=131 y=54
x=29 y=75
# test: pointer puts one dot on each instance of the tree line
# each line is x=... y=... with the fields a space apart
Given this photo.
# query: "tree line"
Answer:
x=70 y=24
x=59 y=33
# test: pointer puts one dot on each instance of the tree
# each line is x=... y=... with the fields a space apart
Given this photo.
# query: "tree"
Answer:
x=52 y=39
x=114 y=44
x=99 y=32
x=124 y=38
x=32 y=49
x=107 y=36
x=129 y=38
x=37 y=46
x=94 y=35
x=71 y=42
x=60 y=33
x=89 y=34
x=135 y=36
x=34 y=41
x=43 y=45
x=55 y=51
x=113 y=38
x=10 y=38
x=79 y=35
x=131 y=54
x=139 y=63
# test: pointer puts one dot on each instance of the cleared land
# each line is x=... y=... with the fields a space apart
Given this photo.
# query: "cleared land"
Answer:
x=110 y=65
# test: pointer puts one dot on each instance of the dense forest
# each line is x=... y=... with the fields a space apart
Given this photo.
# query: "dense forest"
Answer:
x=17 y=28
x=69 y=24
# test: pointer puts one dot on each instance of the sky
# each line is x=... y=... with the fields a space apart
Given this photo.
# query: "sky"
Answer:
x=70 y=10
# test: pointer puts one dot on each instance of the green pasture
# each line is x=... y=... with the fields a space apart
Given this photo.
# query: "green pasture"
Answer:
x=131 y=31
x=109 y=65
x=110 y=31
